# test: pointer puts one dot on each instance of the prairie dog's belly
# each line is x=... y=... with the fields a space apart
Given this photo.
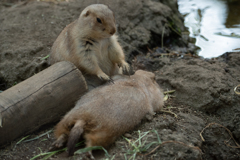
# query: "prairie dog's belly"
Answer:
x=104 y=62
x=107 y=66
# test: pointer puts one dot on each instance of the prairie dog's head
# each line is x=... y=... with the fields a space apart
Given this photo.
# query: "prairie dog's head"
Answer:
x=152 y=88
x=98 y=21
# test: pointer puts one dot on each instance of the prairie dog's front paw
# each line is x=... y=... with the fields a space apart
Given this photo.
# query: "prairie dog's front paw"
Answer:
x=103 y=76
x=125 y=67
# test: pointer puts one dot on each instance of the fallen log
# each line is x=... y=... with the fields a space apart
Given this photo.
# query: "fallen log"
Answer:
x=39 y=100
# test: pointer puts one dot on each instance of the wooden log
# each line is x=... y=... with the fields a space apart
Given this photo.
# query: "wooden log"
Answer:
x=39 y=100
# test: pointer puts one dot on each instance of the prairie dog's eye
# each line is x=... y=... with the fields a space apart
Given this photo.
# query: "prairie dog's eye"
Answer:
x=99 y=20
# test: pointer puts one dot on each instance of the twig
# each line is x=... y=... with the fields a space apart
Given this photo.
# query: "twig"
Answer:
x=169 y=112
x=235 y=89
x=149 y=50
x=0 y=119
x=20 y=4
x=165 y=54
x=172 y=107
x=196 y=148
x=163 y=34
x=169 y=92
x=229 y=132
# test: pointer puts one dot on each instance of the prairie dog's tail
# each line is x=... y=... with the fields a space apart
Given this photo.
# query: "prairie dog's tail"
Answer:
x=74 y=136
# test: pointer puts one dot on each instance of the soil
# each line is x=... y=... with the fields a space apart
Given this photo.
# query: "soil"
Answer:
x=204 y=88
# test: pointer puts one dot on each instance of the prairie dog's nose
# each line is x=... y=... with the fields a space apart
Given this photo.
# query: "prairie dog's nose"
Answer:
x=112 y=31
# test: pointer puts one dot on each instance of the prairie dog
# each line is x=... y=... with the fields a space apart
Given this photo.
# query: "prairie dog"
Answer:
x=107 y=112
x=91 y=44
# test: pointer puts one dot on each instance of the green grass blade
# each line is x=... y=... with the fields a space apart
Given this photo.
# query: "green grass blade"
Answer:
x=159 y=140
x=134 y=146
x=145 y=148
x=49 y=154
x=141 y=137
x=52 y=153
x=79 y=143
x=22 y=139
x=45 y=57
x=145 y=141
x=125 y=156
x=84 y=150
x=45 y=139
x=106 y=152
x=41 y=154
x=38 y=136
x=134 y=155
x=113 y=157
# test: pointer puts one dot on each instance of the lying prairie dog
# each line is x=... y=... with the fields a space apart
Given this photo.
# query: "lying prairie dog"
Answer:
x=107 y=112
x=90 y=43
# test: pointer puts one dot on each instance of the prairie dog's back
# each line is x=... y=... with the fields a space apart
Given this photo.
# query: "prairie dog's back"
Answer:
x=114 y=104
x=122 y=105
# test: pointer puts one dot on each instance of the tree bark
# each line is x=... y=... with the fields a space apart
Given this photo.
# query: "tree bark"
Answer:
x=39 y=100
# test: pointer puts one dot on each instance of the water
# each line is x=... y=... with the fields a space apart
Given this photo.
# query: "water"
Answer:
x=214 y=23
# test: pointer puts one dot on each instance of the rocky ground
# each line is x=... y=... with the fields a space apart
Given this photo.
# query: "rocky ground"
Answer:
x=204 y=102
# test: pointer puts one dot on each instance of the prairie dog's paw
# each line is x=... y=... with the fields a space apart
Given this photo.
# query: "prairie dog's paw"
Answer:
x=89 y=155
x=125 y=67
x=103 y=76
x=56 y=145
x=60 y=142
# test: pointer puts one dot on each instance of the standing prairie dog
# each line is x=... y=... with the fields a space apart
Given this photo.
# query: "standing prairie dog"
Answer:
x=107 y=112
x=91 y=44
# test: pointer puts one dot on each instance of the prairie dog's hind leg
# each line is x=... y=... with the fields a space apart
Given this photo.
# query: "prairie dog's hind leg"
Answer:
x=99 y=138
x=89 y=153
x=60 y=142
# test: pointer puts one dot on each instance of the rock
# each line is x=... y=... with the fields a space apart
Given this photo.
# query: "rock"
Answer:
x=127 y=135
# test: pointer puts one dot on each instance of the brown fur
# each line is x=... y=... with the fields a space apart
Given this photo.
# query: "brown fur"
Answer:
x=90 y=45
x=109 y=111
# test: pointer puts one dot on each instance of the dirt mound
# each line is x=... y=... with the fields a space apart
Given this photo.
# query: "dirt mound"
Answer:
x=203 y=84
x=207 y=86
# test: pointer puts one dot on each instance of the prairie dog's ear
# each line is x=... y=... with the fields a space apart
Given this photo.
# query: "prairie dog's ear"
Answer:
x=112 y=11
x=87 y=13
x=146 y=74
x=151 y=76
